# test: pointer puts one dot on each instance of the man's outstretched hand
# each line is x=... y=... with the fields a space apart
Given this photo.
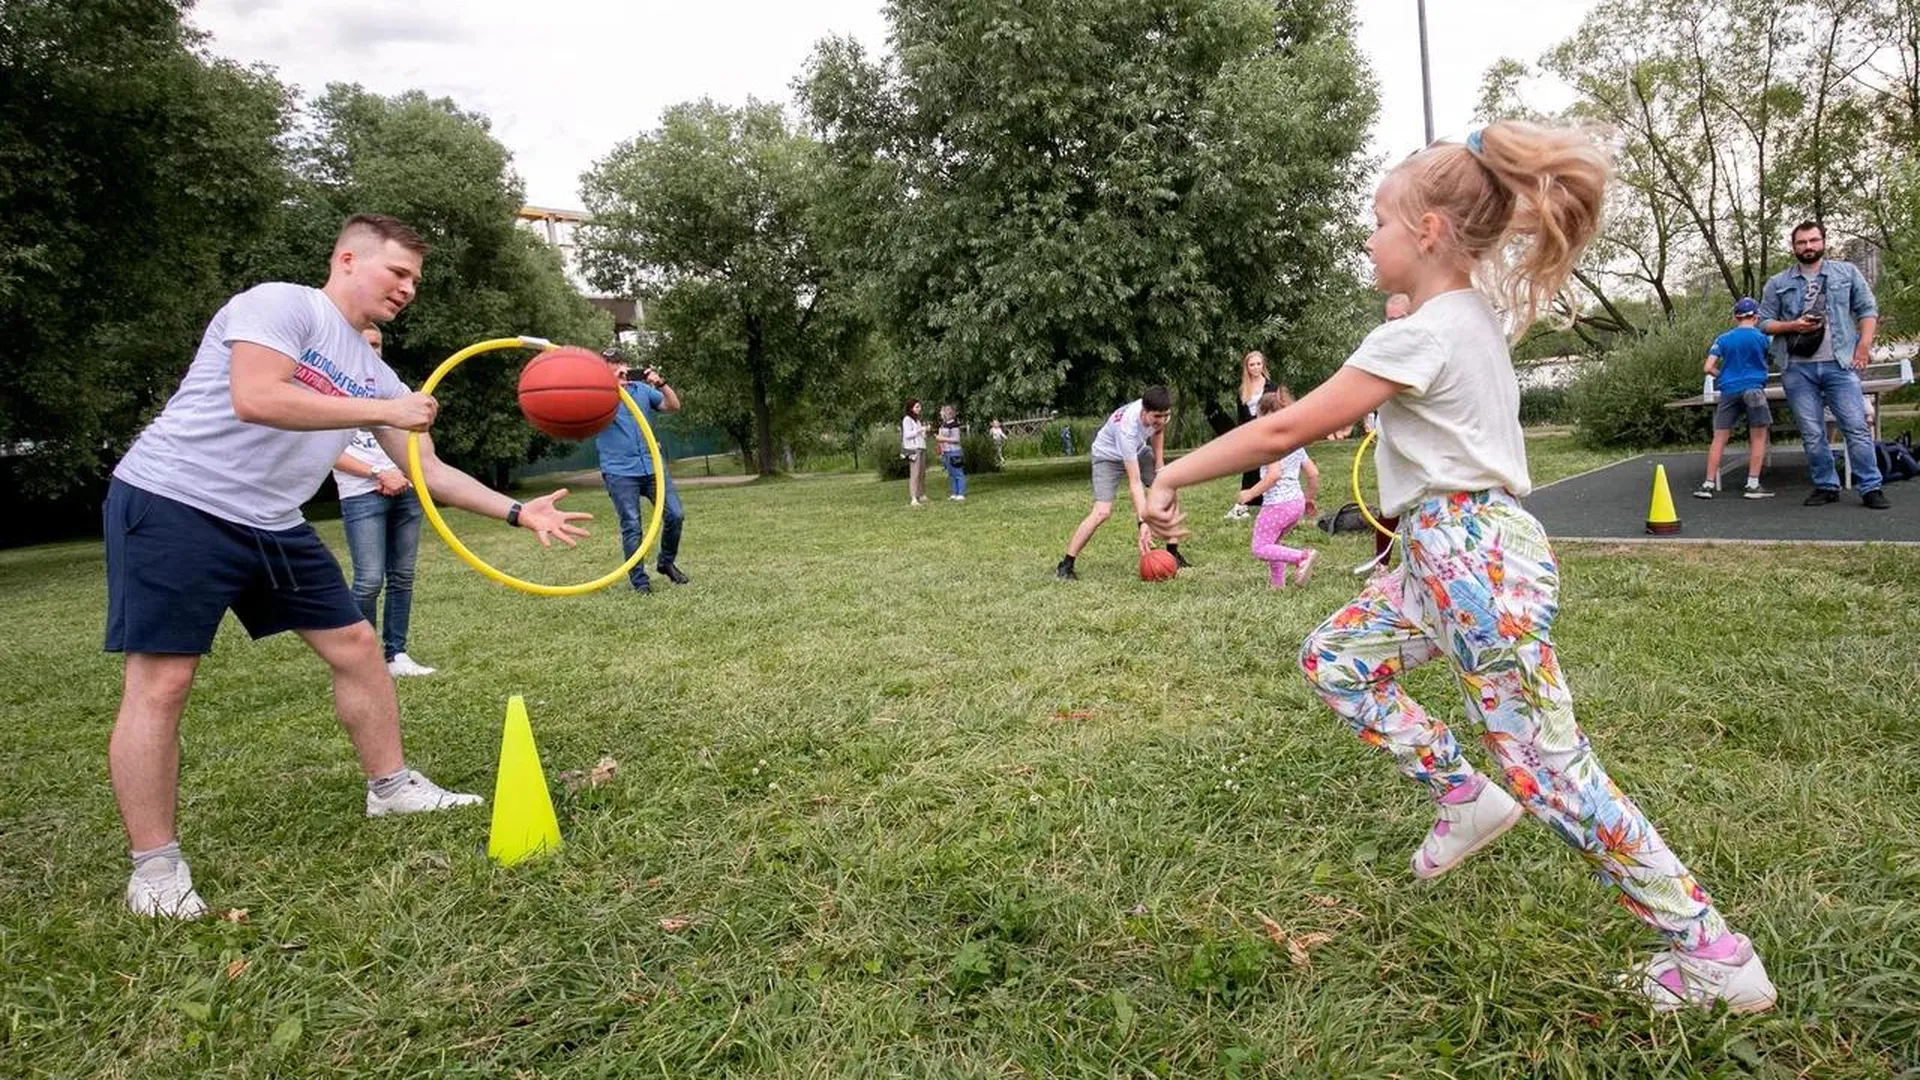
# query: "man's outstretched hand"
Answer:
x=551 y=523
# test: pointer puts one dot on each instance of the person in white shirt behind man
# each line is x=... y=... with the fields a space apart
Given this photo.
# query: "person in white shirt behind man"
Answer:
x=382 y=519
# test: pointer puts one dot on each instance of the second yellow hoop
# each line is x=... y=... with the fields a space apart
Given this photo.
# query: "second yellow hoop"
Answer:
x=440 y=525
x=1360 y=499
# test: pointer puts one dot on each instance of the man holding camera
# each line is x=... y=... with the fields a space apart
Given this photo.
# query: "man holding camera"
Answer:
x=1822 y=317
x=627 y=469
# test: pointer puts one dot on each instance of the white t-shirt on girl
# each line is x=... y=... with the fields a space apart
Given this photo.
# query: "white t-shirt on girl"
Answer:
x=1456 y=426
x=1287 y=488
x=913 y=434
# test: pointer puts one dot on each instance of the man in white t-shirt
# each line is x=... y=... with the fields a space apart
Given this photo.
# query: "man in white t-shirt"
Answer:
x=1130 y=448
x=203 y=517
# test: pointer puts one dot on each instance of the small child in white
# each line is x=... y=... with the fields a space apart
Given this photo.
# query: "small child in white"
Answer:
x=1283 y=502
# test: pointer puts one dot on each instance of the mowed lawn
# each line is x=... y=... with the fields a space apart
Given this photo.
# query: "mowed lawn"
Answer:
x=890 y=801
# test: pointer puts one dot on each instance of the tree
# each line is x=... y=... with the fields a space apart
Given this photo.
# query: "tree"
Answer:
x=714 y=215
x=1061 y=201
x=1735 y=119
x=439 y=168
x=136 y=178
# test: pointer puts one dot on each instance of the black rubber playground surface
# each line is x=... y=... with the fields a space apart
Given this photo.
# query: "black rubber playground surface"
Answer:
x=1611 y=503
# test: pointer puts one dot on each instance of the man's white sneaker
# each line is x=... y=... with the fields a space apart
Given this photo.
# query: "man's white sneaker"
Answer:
x=403 y=665
x=1465 y=828
x=417 y=796
x=163 y=888
x=1675 y=979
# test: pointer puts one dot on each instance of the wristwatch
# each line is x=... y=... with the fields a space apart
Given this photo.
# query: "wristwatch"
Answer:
x=513 y=515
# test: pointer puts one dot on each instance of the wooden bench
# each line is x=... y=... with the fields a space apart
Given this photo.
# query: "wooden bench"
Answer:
x=1880 y=378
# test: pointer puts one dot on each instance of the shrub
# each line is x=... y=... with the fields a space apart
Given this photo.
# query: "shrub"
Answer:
x=1546 y=405
x=977 y=453
x=1083 y=432
x=1622 y=402
x=883 y=449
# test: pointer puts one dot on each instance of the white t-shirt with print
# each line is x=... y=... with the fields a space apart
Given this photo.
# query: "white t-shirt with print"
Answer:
x=1456 y=426
x=1123 y=437
x=367 y=450
x=199 y=453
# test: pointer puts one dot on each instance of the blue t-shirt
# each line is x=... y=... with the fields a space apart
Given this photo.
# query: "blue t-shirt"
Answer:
x=1743 y=360
x=623 y=452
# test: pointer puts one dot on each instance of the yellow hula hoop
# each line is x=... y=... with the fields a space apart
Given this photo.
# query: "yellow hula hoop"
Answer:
x=440 y=525
x=1359 y=499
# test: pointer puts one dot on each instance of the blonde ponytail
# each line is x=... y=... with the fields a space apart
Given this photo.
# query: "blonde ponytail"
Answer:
x=1522 y=201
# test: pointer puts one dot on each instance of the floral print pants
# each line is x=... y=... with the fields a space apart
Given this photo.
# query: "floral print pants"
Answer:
x=1479 y=586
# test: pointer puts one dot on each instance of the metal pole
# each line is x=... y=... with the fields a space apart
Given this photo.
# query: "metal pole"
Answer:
x=1426 y=75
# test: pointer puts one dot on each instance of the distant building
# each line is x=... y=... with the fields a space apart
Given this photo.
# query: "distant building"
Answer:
x=558 y=228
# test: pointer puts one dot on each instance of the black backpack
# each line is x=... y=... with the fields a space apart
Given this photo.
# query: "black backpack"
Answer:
x=1347 y=519
x=1895 y=458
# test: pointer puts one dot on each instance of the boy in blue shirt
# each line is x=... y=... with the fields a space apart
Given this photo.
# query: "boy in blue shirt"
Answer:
x=1740 y=354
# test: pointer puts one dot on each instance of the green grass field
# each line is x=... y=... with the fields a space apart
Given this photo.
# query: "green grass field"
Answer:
x=892 y=802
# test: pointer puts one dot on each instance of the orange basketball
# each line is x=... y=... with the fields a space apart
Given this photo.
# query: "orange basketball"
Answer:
x=569 y=393
x=1157 y=565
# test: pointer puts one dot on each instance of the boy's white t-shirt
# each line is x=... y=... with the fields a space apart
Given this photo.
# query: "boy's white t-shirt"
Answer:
x=199 y=453
x=1456 y=426
x=1124 y=436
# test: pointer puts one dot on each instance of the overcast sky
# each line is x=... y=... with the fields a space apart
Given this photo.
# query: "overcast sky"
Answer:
x=564 y=81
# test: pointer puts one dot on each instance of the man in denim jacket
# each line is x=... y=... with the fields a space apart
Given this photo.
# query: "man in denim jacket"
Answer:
x=1821 y=315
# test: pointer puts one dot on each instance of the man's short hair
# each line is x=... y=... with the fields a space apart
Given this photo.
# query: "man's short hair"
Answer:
x=1809 y=225
x=382 y=227
x=1156 y=399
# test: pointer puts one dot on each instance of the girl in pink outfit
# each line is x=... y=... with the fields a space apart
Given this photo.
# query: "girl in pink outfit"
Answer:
x=1283 y=502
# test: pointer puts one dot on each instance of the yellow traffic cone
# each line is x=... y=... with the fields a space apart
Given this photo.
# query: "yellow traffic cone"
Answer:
x=523 y=820
x=1661 y=520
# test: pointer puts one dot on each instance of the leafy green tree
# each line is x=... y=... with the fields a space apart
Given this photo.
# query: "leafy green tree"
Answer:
x=439 y=168
x=1735 y=119
x=1060 y=201
x=137 y=175
x=715 y=214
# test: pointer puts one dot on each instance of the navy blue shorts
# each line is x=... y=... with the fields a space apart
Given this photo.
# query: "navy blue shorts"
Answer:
x=173 y=572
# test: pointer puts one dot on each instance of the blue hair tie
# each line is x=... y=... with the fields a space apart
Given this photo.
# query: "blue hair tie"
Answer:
x=1473 y=143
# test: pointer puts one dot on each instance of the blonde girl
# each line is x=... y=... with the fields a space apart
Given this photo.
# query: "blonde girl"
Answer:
x=1460 y=228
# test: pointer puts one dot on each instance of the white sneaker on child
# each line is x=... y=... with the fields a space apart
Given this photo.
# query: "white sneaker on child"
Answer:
x=417 y=796
x=163 y=888
x=1674 y=979
x=1238 y=513
x=1463 y=829
x=1304 y=570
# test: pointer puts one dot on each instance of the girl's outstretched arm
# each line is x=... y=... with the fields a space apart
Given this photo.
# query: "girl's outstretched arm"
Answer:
x=1341 y=400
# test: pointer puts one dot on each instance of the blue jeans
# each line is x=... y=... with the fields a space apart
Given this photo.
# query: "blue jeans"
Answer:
x=626 y=493
x=383 y=538
x=956 y=476
x=1837 y=387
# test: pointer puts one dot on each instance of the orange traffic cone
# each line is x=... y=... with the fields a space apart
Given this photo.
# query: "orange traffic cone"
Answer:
x=1661 y=520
